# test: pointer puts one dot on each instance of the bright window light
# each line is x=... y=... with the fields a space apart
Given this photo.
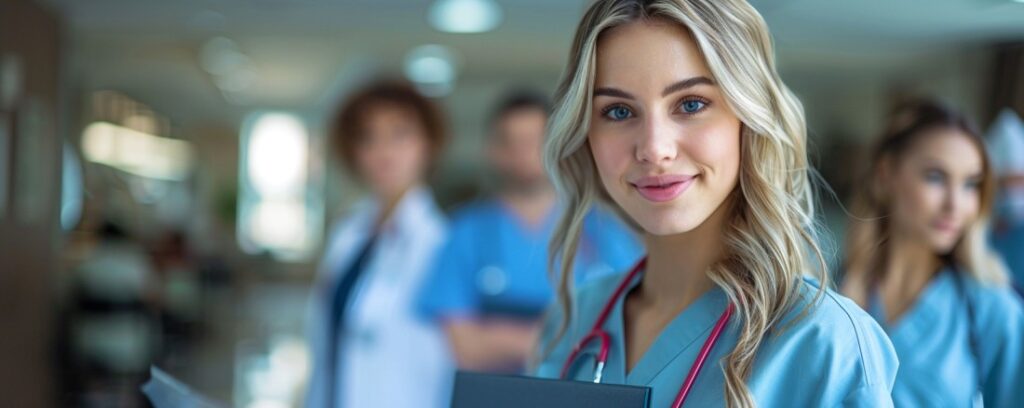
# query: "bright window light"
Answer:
x=136 y=152
x=279 y=224
x=278 y=212
x=277 y=155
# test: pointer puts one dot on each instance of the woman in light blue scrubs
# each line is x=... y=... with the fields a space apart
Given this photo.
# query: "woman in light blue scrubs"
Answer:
x=673 y=110
x=918 y=261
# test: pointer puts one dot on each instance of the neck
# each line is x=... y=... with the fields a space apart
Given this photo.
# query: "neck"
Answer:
x=909 y=268
x=677 y=265
x=526 y=189
x=388 y=203
x=531 y=205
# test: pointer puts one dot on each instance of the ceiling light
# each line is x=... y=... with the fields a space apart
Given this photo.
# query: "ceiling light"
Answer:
x=432 y=68
x=465 y=16
x=221 y=56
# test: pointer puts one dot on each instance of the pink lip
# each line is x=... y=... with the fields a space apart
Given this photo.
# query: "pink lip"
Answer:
x=664 y=188
x=945 y=226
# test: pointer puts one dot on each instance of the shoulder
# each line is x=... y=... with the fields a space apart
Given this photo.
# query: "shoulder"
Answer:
x=828 y=338
x=430 y=212
x=990 y=295
x=353 y=222
x=593 y=293
x=815 y=309
x=995 y=305
x=346 y=232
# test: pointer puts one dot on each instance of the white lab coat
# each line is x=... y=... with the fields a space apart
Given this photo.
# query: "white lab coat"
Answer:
x=388 y=357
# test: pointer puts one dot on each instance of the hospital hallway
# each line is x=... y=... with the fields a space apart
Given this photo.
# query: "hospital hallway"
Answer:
x=173 y=185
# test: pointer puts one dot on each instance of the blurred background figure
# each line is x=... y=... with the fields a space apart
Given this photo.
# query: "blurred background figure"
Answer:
x=368 y=346
x=490 y=284
x=181 y=288
x=115 y=313
x=1006 y=145
x=203 y=129
x=918 y=260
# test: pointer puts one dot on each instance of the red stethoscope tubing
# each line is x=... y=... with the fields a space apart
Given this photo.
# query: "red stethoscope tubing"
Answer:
x=597 y=333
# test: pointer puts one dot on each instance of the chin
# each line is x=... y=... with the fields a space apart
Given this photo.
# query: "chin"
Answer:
x=669 y=224
x=942 y=245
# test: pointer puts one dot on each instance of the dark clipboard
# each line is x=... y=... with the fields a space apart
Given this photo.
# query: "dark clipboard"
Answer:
x=473 y=390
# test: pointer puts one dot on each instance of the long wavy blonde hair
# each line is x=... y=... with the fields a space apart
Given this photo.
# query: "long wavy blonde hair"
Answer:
x=868 y=235
x=770 y=237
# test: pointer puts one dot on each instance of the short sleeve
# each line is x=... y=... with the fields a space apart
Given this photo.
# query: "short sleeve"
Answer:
x=449 y=291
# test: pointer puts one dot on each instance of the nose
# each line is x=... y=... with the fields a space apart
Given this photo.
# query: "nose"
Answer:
x=950 y=202
x=956 y=198
x=657 y=142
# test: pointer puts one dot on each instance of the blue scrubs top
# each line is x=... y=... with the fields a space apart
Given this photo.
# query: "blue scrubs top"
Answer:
x=938 y=366
x=834 y=355
x=494 y=265
x=1010 y=244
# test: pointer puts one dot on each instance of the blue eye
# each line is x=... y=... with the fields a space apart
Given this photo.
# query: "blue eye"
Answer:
x=618 y=113
x=934 y=177
x=692 y=106
x=973 y=185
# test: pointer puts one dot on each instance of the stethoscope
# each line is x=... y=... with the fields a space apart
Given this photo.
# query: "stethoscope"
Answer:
x=598 y=334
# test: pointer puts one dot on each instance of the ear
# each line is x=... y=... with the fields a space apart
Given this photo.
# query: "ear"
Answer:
x=882 y=178
x=885 y=168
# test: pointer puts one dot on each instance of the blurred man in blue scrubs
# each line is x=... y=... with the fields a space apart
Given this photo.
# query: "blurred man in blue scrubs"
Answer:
x=1006 y=146
x=490 y=283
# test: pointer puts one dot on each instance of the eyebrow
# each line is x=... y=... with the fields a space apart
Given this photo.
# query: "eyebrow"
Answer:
x=671 y=89
x=934 y=164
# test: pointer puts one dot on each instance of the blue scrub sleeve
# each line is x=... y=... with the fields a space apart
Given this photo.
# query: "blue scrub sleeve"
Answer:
x=1001 y=334
x=450 y=290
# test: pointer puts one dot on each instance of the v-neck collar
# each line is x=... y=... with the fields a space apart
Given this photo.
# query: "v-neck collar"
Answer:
x=681 y=337
x=524 y=229
x=920 y=318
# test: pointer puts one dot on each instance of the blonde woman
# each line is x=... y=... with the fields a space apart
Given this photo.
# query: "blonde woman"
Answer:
x=918 y=262
x=673 y=110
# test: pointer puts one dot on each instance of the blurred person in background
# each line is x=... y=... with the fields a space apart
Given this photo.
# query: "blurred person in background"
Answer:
x=1006 y=144
x=368 y=348
x=490 y=284
x=114 y=319
x=181 y=289
x=917 y=260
